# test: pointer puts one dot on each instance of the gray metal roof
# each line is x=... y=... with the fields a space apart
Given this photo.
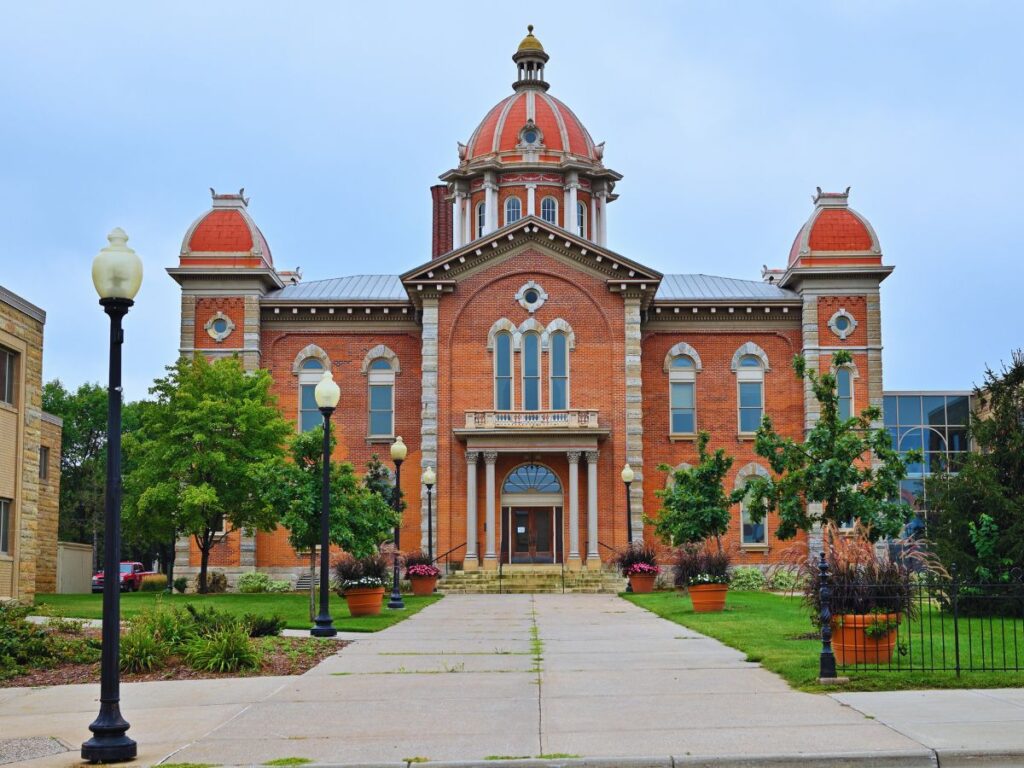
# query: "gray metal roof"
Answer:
x=711 y=288
x=351 y=288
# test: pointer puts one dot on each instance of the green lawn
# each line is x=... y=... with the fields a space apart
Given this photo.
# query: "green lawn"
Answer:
x=766 y=627
x=292 y=606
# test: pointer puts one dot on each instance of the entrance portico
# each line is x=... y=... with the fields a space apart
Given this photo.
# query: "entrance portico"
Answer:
x=531 y=498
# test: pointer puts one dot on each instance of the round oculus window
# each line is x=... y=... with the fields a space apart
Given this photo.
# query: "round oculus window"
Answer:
x=531 y=296
x=842 y=323
x=530 y=137
x=220 y=325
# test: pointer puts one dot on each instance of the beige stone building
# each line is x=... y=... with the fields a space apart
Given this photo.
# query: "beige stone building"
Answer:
x=29 y=456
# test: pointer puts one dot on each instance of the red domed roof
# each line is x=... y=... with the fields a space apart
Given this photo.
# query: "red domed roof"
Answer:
x=226 y=233
x=504 y=131
x=834 y=231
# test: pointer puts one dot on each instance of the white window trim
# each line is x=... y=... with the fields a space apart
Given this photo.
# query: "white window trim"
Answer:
x=746 y=376
x=581 y=226
x=306 y=378
x=682 y=376
x=747 y=471
x=853 y=391
x=842 y=334
x=505 y=208
x=551 y=369
x=511 y=369
x=540 y=372
x=379 y=378
x=481 y=219
x=213 y=333
x=554 y=201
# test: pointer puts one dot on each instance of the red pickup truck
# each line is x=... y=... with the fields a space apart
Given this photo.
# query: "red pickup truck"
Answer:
x=131 y=577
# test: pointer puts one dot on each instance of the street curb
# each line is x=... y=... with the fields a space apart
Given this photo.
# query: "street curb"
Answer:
x=922 y=758
x=969 y=758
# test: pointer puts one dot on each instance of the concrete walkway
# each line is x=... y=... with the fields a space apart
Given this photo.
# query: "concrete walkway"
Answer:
x=474 y=678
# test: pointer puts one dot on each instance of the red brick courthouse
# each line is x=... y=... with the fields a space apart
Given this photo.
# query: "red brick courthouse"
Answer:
x=526 y=360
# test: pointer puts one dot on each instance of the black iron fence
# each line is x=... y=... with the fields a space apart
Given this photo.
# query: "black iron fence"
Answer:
x=928 y=623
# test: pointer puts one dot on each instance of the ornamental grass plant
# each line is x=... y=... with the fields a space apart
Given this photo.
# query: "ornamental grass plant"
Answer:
x=697 y=564
x=419 y=565
x=361 y=573
x=637 y=559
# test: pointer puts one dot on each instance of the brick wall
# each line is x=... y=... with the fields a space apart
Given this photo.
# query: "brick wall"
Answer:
x=442 y=224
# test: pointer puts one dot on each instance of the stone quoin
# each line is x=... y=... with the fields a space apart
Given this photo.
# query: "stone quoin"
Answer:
x=526 y=361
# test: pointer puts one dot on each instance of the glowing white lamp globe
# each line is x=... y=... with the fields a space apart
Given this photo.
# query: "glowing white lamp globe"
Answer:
x=429 y=477
x=117 y=269
x=628 y=474
x=398 y=450
x=326 y=392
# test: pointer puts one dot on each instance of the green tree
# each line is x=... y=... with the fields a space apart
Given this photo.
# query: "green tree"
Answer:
x=360 y=518
x=976 y=515
x=695 y=507
x=846 y=465
x=381 y=480
x=195 y=467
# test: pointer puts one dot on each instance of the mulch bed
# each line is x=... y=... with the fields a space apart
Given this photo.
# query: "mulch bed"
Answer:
x=281 y=656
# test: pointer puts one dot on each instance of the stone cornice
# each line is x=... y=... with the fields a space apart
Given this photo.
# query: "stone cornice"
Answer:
x=794 y=277
x=12 y=299
x=267 y=278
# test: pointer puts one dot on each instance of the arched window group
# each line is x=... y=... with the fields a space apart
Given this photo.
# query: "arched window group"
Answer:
x=379 y=366
x=556 y=340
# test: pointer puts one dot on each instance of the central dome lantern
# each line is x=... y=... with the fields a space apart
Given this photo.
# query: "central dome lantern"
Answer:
x=529 y=156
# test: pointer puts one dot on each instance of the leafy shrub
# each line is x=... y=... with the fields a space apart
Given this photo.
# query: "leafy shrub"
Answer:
x=748 y=579
x=352 y=573
x=695 y=565
x=25 y=646
x=228 y=649
x=254 y=582
x=141 y=651
x=172 y=626
x=864 y=579
x=155 y=582
x=637 y=553
x=785 y=579
x=216 y=583
x=280 y=585
x=263 y=626
x=209 y=620
x=180 y=585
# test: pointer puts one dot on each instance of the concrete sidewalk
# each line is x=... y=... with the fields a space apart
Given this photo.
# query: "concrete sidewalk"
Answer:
x=591 y=679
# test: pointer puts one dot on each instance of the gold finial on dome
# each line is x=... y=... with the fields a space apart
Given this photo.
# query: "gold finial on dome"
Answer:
x=530 y=43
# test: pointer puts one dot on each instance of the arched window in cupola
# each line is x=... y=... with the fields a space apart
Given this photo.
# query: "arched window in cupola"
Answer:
x=549 y=210
x=513 y=210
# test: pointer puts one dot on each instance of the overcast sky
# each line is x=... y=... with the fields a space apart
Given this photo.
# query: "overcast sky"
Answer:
x=722 y=116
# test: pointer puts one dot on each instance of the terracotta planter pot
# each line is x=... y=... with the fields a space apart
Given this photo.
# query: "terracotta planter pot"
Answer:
x=642 y=583
x=365 y=601
x=423 y=585
x=851 y=645
x=708 y=598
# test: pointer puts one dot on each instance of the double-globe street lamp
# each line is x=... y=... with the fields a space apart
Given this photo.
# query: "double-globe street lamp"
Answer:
x=326 y=394
x=428 y=479
x=117 y=275
x=398 y=454
x=628 y=475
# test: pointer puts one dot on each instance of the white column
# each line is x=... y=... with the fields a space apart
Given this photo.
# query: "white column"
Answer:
x=593 y=219
x=490 y=556
x=531 y=199
x=457 y=229
x=570 y=203
x=593 y=557
x=491 y=203
x=574 y=506
x=472 y=557
x=603 y=220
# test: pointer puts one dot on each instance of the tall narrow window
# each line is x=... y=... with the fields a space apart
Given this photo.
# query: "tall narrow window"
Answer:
x=513 y=210
x=5 y=526
x=549 y=210
x=559 y=366
x=750 y=380
x=7 y=361
x=309 y=375
x=382 y=398
x=581 y=219
x=753 y=533
x=481 y=219
x=531 y=372
x=44 y=462
x=682 y=401
x=844 y=389
x=503 y=372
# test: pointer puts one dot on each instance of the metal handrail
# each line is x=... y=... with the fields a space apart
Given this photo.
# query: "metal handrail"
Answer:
x=445 y=555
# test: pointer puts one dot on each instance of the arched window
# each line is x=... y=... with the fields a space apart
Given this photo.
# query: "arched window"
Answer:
x=513 y=210
x=310 y=373
x=531 y=372
x=559 y=367
x=503 y=371
x=481 y=219
x=682 y=382
x=549 y=210
x=751 y=534
x=381 y=378
x=531 y=478
x=750 y=393
x=844 y=389
x=581 y=219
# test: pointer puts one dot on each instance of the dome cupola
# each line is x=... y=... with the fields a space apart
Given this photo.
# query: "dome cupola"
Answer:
x=530 y=58
x=835 y=235
x=226 y=235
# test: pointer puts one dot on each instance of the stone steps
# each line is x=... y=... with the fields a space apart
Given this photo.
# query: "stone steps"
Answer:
x=532 y=581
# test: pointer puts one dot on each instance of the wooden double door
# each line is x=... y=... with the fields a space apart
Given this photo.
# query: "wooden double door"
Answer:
x=531 y=535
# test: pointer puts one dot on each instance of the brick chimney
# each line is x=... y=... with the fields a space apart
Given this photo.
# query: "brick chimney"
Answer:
x=442 y=221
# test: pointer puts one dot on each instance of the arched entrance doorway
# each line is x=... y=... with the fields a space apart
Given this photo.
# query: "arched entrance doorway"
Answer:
x=531 y=516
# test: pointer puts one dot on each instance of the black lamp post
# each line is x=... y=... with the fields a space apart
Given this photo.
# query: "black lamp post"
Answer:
x=429 y=478
x=117 y=275
x=398 y=453
x=326 y=394
x=627 y=478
